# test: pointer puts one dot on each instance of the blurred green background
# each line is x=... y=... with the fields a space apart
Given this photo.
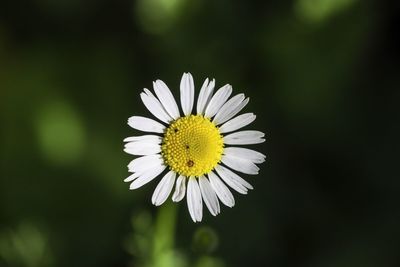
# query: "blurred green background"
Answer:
x=322 y=75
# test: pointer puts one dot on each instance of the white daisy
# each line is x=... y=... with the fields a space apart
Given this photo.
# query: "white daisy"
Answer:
x=197 y=149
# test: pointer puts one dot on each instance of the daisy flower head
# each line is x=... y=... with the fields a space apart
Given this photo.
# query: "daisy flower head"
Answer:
x=198 y=148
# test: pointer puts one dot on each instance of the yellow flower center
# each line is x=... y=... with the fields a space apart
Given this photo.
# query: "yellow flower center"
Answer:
x=192 y=146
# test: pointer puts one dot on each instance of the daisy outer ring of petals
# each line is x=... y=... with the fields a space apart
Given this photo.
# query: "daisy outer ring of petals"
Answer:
x=202 y=150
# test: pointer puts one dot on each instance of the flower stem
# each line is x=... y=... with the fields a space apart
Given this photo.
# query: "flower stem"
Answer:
x=164 y=235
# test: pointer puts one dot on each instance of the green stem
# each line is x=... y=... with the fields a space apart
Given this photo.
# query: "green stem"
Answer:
x=164 y=235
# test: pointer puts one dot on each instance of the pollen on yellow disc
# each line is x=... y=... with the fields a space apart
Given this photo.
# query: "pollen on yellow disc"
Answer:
x=192 y=146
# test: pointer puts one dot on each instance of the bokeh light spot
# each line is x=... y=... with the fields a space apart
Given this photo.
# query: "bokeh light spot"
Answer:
x=60 y=133
x=25 y=245
x=317 y=11
x=205 y=240
x=158 y=16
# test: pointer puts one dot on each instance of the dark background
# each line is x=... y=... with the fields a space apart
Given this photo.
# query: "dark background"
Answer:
x=323 y=79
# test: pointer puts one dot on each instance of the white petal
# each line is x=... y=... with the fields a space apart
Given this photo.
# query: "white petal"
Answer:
x=131 y=177
x=237 y=123
x=145 y=124
x=153 y=142
x=236 y=110
x=154 y=106
x=205 y=95
x=244 y=138
x=240 y=165
x=163 y=188
x=142 y=148
x=228 y=178
x=142 y=164
x=244 y=153
x=166 y=98
x=218 y=100
x=147 y=177
x=230 y=109
x=221 y=190
x=194 y=201
x=234 y=177
x=187 y=93
x=148 y=138
x=180 y=189
x=209 y=196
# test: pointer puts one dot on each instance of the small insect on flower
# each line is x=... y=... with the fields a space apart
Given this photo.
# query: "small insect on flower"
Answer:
x=199 y=148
